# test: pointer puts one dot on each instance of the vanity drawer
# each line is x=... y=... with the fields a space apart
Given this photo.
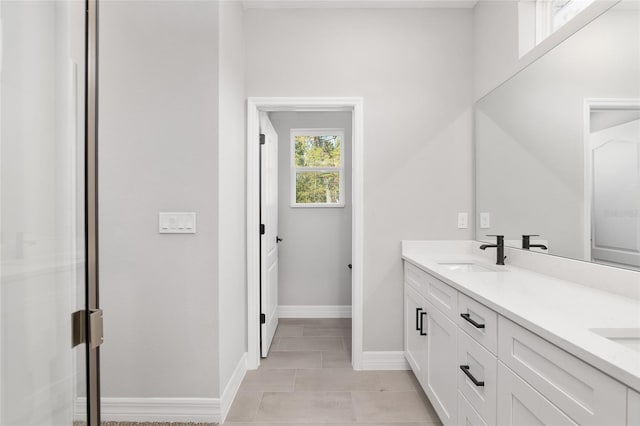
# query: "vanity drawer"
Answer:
x=585 y=394
x=441 y=295
x=467 y=415
x=416 y=278
x=479 y=322
x=482 y=365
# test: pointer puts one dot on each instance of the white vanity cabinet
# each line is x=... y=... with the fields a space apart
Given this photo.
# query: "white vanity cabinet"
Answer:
x=633 y=408
x=586 y=395
x=480 y=368
x=441 y=387
x=415 y=339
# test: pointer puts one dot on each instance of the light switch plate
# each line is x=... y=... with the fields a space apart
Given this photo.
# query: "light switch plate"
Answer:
x=177 y=222
x=463 y=220
x=485 y=220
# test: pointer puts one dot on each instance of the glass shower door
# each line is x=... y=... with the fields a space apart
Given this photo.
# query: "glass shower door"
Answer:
x=42 y=211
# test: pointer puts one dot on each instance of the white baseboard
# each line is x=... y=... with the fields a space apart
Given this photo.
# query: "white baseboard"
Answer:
x=205 y=410
x=314 y=311
x=384 y=360
x=198 y=410
x=232 y=387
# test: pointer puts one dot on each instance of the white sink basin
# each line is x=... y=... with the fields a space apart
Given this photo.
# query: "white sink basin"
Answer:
x=465 y=267
x=627 y=337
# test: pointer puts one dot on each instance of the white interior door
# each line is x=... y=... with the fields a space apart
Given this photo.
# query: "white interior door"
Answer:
x=268 y=243
x=616 y=195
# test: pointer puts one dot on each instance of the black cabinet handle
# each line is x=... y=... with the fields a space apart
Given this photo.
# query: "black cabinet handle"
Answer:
x=418 y=327
x=465 y=370
x=422 y=314
x=467 y=317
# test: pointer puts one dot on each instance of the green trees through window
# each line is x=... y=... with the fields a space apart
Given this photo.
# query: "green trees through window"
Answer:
x=318 y=168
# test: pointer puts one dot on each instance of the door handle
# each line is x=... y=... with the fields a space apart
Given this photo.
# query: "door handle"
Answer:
x=350 y=266
x=465 y=370
x=278 y=239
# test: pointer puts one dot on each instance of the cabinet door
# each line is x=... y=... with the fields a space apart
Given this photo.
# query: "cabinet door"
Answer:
x=521 y=405
x=633 y=408
x=442 y=365
x=415 y=341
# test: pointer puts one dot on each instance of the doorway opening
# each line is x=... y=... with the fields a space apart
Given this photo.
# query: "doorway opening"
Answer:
x=612 y=182
x=321 y=183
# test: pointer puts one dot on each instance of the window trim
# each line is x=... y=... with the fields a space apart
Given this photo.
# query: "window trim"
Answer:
x=294 y=169
x=545 y=18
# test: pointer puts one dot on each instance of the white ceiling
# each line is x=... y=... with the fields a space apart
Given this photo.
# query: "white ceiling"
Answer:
x=357 y=4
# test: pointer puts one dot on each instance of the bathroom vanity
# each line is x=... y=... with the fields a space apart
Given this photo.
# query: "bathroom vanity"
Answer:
x=512 y=346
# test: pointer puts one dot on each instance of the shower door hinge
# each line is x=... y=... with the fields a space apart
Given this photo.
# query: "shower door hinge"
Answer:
x=263 y=139
x=79 y=328
x=263 y=319
x=262 y=229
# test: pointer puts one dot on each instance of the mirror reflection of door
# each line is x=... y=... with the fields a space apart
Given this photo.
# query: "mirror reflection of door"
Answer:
x=615 y=178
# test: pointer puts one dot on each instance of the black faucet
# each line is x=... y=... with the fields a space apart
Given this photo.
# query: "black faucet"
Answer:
x=499 y=245
x=526 y=243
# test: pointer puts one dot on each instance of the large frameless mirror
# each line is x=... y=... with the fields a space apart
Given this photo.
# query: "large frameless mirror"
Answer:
x=558 y=147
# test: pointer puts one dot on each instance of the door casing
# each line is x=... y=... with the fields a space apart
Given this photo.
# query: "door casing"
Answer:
x=314 y=104
x=591 y=104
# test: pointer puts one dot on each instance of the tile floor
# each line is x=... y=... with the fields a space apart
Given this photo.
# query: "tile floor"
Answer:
x=307 y=379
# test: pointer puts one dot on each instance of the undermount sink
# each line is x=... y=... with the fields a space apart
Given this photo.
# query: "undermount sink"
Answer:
x=465 y=267
x=627 y=337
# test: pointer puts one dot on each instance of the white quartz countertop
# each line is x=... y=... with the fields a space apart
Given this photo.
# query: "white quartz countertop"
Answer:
x=560 y=311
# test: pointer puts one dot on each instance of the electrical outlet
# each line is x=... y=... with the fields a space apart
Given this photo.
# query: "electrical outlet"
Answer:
x=485 y=220
x=463 y=220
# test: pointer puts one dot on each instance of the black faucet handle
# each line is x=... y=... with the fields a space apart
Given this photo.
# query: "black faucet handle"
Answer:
x=500 y=238
x=530 y=235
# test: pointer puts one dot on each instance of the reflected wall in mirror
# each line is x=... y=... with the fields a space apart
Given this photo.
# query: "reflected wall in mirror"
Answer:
x=558 y=147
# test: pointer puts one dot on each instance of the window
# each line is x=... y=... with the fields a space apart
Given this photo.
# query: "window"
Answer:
x=317 y=167
x=552 y=14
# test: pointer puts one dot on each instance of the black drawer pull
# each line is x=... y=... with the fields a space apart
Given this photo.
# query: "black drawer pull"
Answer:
x=465 y=370
x=418 y=319
x=467 y=317
x=422 y=314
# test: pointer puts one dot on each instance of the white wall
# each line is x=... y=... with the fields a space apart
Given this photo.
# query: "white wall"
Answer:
x=158 y=126
x=414 y=70
x=231 y=191
x=313 y=258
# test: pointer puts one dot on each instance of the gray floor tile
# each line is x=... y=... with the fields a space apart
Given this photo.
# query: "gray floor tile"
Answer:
x=337 y=379
x=399 y=381
x=317 y=322
x=392 y=407
x=306 y=407
x=292 y=360
x=244 y=407
x=385 y=424
x=340 y=359
x=268 y=380
x=289 y=330
x=280 y=424
x=332 y=344
x=327 y=331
